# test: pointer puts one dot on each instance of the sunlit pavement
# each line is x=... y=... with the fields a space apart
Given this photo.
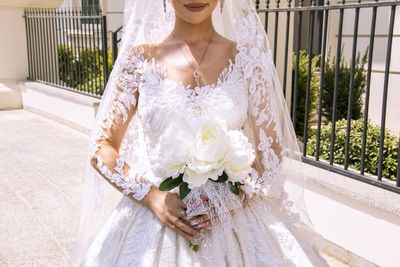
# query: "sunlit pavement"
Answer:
x=42 y=163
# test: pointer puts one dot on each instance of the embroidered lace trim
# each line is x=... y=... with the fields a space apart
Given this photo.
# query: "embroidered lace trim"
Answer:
x=124 y=98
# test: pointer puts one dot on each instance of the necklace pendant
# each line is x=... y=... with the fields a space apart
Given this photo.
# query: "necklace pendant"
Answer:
x=197 y=76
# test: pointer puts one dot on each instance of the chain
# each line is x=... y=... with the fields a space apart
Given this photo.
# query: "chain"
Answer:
x=196 y=70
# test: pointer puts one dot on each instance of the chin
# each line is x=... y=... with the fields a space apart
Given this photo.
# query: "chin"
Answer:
x=194 y=12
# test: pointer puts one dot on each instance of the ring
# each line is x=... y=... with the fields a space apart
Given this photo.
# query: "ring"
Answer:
x=182 y=213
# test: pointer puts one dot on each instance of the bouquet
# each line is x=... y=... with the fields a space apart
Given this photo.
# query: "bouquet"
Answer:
x=193 y=151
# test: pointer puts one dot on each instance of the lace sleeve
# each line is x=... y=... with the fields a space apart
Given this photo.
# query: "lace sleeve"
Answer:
x=267 y=176
x=120 y=110
x=263 y=127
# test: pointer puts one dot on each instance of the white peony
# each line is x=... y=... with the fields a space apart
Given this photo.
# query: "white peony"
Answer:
x=208 y=155
x=202 y=149
x=174 y=149
x=240 y=157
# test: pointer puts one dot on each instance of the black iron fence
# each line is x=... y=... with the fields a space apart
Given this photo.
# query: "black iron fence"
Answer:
x=67 y=47
x=330 y=93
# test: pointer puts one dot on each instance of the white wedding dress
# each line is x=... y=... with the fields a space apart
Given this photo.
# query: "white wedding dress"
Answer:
x=258 y=235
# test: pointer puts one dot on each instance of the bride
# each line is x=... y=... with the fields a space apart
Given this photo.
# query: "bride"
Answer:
x=192 y=59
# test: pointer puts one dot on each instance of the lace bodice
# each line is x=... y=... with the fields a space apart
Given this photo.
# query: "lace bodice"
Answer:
x=162 y=100
x=145 y=92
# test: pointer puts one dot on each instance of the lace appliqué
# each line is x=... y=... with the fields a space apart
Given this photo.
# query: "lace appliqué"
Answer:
x=256 y=59
x=124 y=97
x=130 y=183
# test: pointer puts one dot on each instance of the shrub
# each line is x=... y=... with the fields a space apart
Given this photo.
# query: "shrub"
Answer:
x=372 y=147
x=343 y=88
x=301 y=89
x=68 y=66
x=82 y=68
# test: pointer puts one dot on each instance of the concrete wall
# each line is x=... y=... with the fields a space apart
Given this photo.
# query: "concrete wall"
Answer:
x=378 y=68
x=70 y=108
x=13 y=51
x=358 y=217
x=113 y=9
x=114 y=12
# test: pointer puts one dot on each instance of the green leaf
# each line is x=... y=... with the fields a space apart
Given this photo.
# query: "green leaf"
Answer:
x=184 y=190
x=235 y=188
x=170 y=183
x=222 y=178
x=194 y=247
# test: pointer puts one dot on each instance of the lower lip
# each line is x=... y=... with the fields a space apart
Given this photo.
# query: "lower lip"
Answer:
x=196 y=9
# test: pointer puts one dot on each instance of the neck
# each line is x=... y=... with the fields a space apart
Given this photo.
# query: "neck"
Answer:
x=192 y=33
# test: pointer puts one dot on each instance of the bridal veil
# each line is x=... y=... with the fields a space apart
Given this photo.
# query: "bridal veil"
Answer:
x=269 y=126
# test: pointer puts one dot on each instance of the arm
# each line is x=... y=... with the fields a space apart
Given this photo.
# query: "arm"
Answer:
x=264 y=130
x=120 y=110
x=107 y=161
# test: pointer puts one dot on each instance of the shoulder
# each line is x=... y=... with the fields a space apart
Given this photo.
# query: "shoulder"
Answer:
x=224 y=44
x=134 y=58
x=140 y=51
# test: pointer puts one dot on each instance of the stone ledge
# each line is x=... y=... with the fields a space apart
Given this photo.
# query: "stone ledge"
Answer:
x=332 y=196
x=71 y=108
x=30 y=3
x=60 y=92
x=10 y=96
x=343 y=256
x=349 y=188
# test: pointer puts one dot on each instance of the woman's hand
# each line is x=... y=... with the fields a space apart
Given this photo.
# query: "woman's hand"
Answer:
x=204 y=221
x=170 y=210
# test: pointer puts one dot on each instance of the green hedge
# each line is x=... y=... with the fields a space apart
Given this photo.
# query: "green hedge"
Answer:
x=82 y=68
x=343 y=88
x=372 y=147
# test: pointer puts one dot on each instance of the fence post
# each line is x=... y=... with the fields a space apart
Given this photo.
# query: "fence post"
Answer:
x=105 y=50
x=114 y=46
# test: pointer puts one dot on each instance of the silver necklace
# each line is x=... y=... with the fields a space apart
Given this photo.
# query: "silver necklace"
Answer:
x=196 y=70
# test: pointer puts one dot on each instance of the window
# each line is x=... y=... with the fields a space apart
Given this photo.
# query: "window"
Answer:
x=91 y=5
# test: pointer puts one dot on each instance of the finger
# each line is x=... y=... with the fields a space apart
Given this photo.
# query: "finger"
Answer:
x=173 y=227
x=187 y=228
x=183 y=205
x=204 y=225
x=199 y=219
x=181 y=224
x=178 y=212
x=204 y=198
x=184 y=234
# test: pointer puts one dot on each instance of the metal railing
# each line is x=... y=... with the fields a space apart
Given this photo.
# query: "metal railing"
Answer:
x=116 y=38
x=329 y=131
x=67 y=47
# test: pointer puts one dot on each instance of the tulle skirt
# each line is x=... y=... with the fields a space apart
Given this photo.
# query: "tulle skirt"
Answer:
x=133 y=236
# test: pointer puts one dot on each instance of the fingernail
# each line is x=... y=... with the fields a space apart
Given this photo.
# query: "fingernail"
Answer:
x=194 y=222
x=202 y=225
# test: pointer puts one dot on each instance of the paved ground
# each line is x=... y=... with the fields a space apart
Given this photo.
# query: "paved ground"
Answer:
x=41 y=166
